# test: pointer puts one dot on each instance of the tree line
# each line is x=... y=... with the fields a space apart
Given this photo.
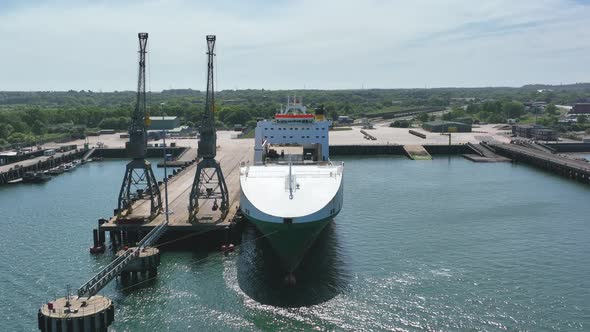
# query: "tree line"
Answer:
x=29 y=116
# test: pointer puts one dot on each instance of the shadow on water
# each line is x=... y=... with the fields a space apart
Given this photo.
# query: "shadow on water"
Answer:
x=321 y=275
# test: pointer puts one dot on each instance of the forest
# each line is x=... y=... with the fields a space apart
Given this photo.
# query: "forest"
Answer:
x=28 y=117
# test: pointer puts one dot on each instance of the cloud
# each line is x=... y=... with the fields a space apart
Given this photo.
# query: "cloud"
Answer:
x=291 y=44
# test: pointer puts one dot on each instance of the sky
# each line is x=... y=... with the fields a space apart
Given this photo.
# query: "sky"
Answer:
x=293 y=44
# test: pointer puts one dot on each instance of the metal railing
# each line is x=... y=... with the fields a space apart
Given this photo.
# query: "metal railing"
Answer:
x=112 y=270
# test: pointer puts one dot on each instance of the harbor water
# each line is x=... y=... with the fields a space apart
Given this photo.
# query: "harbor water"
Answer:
x=443 y=245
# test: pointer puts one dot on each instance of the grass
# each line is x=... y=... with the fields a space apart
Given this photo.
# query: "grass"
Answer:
x=249 y=133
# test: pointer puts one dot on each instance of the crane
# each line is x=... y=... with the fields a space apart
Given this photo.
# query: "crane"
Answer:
x=209 y=182
x=139 y=181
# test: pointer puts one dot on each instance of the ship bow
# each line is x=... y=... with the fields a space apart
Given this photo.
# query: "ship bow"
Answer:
x=291 y=241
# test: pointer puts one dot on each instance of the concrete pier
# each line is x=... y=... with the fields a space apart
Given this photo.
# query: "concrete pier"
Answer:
x=126 y=228
x=146 y=263
x=562 y=165
x=76 y=314
x=12 y=172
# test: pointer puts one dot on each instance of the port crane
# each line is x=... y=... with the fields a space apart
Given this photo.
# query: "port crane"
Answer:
x=139 y=181
x=209 y=182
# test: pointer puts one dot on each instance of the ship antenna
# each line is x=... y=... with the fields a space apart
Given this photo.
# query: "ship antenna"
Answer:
x=290 y=180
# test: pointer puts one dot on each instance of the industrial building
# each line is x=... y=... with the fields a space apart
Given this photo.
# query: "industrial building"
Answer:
x=447 y=126
x=580 y=108
x=534 y=131
x=344 y=119
x=164 y=122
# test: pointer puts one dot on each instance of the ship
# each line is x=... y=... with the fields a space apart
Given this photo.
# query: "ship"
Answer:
x=35 y=177
x=291 y=195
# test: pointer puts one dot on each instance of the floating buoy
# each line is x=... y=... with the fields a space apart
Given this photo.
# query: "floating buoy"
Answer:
x=230 y=247
x=223 y=248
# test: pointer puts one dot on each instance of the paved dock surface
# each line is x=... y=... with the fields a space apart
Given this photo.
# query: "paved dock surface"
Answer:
x=230 y=153
x=78 y=307
x=401 y=136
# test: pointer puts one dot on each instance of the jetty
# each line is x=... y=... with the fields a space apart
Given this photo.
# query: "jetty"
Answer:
x=12 y=173
x=558 y=164
x=196 y=199
x=231 y=153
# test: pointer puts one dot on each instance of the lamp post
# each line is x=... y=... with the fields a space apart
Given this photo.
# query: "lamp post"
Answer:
x=166 y=212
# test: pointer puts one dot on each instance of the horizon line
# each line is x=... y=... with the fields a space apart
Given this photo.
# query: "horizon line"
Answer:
x=313 y=89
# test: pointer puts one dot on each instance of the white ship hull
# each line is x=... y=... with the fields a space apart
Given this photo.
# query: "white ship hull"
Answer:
x=291 y=209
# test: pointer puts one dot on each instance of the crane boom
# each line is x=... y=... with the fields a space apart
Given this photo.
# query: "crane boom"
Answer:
x=208 y=137
x=209 y=182
x=137 y=145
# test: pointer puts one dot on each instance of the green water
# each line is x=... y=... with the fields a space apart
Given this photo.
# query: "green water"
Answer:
x=431 y=245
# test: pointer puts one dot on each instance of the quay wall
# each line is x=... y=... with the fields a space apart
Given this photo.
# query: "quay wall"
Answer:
x=570 y=147
x=350 y=150
x=121 y=153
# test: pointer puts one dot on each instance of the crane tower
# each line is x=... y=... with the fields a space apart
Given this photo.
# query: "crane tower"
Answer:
x=139 y=181
x=209 y=183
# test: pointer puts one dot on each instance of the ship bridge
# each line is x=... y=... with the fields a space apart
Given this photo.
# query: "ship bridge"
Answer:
x=293 y=126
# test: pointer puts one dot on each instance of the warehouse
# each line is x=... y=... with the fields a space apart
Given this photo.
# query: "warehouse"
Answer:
x=164 y=122
x=534 y=131
x=446 y=126
x=580 y=108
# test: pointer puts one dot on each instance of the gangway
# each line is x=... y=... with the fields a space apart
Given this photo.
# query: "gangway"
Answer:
x=111 y=271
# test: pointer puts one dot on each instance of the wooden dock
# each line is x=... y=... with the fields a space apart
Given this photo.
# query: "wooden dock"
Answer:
x=230 y=153
x=11 y=173
x=562 y=165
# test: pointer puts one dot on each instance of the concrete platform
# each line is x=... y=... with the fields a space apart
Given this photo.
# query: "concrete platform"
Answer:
x=79 y=307
x=230 y=153
x=417 y=152
x=480 y=159
x=483 y=154
x=401 y=136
